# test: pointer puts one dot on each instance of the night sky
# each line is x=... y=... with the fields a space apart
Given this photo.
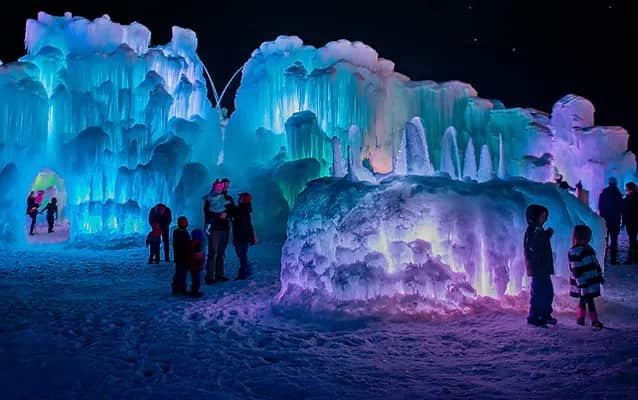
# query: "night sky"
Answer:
x=525 y=53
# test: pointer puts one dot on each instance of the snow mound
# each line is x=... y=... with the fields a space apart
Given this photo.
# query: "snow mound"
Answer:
x=434 y=242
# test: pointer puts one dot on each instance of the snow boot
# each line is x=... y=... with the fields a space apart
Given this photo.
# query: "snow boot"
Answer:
x=209 y=280
x=595 y=323
x=580 y=317
x=196 y=294
x=551 y=320
x=221 y=279
x=536 y=321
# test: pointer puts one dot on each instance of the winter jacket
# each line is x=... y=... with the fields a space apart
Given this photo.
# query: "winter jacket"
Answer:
x=630 y=213
x=154 y=237
x=164 y=220
x=31 y=204
x=214 y=208
x=243 y=231
x=52 y=211
x=181 y=247
x=539 y=259
x=586 y=274
x=197 y=256
x=610 y=206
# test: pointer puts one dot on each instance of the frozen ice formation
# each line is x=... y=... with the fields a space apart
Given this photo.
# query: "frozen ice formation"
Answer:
x=347 y=83
x=438 y=242
x=123 y=124
x=126 y=125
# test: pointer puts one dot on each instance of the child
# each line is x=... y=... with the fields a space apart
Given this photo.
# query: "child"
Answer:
x=52 y=212
x=586 y=275
x=181 y=255
x=539 y=262
x=197 y=261
x=243 y=232
x=153 y=241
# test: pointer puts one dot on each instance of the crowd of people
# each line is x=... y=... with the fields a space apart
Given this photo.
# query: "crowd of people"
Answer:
x=221 y=213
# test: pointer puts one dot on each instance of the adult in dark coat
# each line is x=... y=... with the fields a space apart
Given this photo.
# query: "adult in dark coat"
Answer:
x=610 y=207
x=32 y=210
x=243 y=232
x=161 y=215
x=630 y=219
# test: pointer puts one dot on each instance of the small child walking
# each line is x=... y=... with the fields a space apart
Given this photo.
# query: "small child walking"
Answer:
x=539 y=261
x=153 y=240
x=586 y=275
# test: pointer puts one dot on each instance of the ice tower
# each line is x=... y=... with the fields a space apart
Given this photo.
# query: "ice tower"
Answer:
x=123 y=124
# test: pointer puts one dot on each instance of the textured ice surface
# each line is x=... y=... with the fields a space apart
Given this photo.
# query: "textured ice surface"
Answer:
x=433 y=240
x=347 y=83
x=123 y=125
x=126 y=125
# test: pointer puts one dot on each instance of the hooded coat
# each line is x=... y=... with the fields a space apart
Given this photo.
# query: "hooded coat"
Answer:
x=539 y=259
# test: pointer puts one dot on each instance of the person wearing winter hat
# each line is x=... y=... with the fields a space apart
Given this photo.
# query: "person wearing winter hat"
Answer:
x=181 y=255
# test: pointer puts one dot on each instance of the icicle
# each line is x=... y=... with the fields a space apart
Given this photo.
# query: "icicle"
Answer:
x=399 y=160
x=485 y=165
x=355 y=166
x=416 y=149
x=501 y=157
x=469 y=166
x=450 y=153
x=338 y=164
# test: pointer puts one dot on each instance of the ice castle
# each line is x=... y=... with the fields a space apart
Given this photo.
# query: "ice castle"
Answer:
x=424 y=183
x=122 y=125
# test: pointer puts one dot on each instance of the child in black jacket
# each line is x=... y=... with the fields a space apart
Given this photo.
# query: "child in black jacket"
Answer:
x=539 y=262
x=182 y=253
x=52 y=212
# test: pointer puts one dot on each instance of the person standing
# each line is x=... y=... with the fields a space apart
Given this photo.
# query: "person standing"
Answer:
x=32 y=211
x=182 y=253
x=217 y=230
x=539 y=262
x=610 y=207
x=161 y=215
x=243 y=233
x=52 y=212
x=630 y=219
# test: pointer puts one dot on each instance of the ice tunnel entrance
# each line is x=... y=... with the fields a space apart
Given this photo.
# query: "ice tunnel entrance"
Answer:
x=46 y=187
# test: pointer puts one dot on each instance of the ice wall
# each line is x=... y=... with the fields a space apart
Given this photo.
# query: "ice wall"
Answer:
x=120 y=121
x=347 y=83
x=436 y=242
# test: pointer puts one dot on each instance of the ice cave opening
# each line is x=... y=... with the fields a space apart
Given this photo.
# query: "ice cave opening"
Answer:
x=48 y=187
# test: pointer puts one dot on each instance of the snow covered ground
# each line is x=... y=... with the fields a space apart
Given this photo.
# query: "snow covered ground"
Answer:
x=87 y=324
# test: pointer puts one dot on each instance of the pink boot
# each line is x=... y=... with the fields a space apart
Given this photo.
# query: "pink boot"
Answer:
x=580 y=317
x=595 y=323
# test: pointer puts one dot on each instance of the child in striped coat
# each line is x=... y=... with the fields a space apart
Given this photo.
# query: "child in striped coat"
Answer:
x=586 y=275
